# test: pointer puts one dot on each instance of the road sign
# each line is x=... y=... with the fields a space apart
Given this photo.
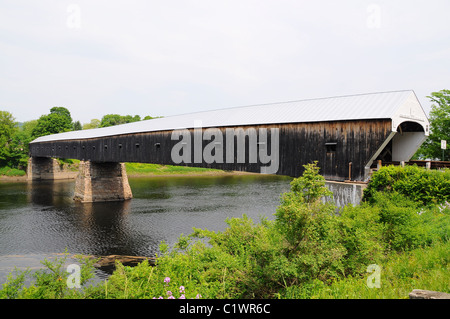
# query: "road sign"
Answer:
x=443 y=144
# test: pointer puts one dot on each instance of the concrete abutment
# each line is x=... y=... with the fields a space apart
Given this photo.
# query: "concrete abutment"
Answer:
x=345 y=193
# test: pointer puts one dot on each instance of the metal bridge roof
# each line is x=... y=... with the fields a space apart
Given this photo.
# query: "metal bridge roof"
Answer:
x=398 y=106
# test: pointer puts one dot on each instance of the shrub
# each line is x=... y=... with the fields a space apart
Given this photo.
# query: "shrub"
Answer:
x=403 y=226
x=308 y=251
x=308 y=225
x=47 y=283
x=419 y=184
x=361 y=233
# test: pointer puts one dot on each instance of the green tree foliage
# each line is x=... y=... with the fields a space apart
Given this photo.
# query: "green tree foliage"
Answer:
x=116 y=119
x=148 y=117
x=47 y=283
x=8 y=128
x=20 y=145
x=77 y=126
x=439 y=126
x=309 y=226
x=94 y=123
x=59 y=120
x=419 y=184
x=303 y=205
x=61 y=111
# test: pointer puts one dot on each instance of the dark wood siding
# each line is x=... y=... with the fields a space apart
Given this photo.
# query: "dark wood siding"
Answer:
x=333 y=144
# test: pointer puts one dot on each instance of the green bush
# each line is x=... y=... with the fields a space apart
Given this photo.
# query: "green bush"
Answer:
x=403 y=226
x=419 y=184
x=308 y=251
x=361 y=233
x=47 y=283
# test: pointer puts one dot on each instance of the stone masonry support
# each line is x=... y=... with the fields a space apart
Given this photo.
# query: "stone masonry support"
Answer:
x=102 y=182
x=47 y=168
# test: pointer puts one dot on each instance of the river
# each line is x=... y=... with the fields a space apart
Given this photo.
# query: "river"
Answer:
x=40 y=219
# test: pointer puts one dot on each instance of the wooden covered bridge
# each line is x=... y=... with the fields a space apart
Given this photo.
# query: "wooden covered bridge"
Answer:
x=345 y=134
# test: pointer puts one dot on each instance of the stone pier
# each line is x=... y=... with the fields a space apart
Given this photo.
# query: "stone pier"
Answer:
x=47 y=168
x=102 y=182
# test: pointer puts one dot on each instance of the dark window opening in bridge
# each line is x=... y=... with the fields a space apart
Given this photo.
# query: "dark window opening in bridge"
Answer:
x=409 y=127
x=331 y=147
x=120 y=145
x=158 y=145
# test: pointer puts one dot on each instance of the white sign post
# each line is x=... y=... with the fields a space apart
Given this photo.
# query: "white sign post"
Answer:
x=444 y=147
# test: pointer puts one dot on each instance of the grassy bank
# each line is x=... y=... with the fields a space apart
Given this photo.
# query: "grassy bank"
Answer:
x=423 y=268
x=133 y=169
x=144 y=169
x=11 y=172
x=308 y=251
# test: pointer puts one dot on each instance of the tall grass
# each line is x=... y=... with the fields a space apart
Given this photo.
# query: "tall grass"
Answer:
x=425 y=268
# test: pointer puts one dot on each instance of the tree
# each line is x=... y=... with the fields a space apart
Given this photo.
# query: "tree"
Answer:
x=61 y=111
x=116 y=119
x=59 y=120
x=19 y=145
x=439 y=125
x=77 y=126
x=8 y=127
x=93 y=124
x=148 y=117
x=110 y=120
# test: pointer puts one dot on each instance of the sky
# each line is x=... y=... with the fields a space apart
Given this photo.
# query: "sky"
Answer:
x=163 y=58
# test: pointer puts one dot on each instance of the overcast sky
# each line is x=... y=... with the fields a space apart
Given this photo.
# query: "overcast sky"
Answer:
x=172 y=57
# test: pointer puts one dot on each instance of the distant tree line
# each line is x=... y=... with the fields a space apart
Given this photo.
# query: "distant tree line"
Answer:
x=15 y=136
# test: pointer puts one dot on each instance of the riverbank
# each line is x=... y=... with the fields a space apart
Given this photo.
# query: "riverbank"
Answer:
x=12 y=174
x=136 y=170
x=148 y=170
x=9 y=179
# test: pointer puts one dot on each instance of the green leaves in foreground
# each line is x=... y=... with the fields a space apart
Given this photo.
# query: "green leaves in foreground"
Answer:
x=310 y=250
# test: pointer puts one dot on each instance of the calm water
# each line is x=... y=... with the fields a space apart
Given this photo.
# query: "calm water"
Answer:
x=41 y=219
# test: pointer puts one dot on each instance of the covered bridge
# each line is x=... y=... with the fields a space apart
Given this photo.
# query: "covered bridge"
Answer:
x=336 y=131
